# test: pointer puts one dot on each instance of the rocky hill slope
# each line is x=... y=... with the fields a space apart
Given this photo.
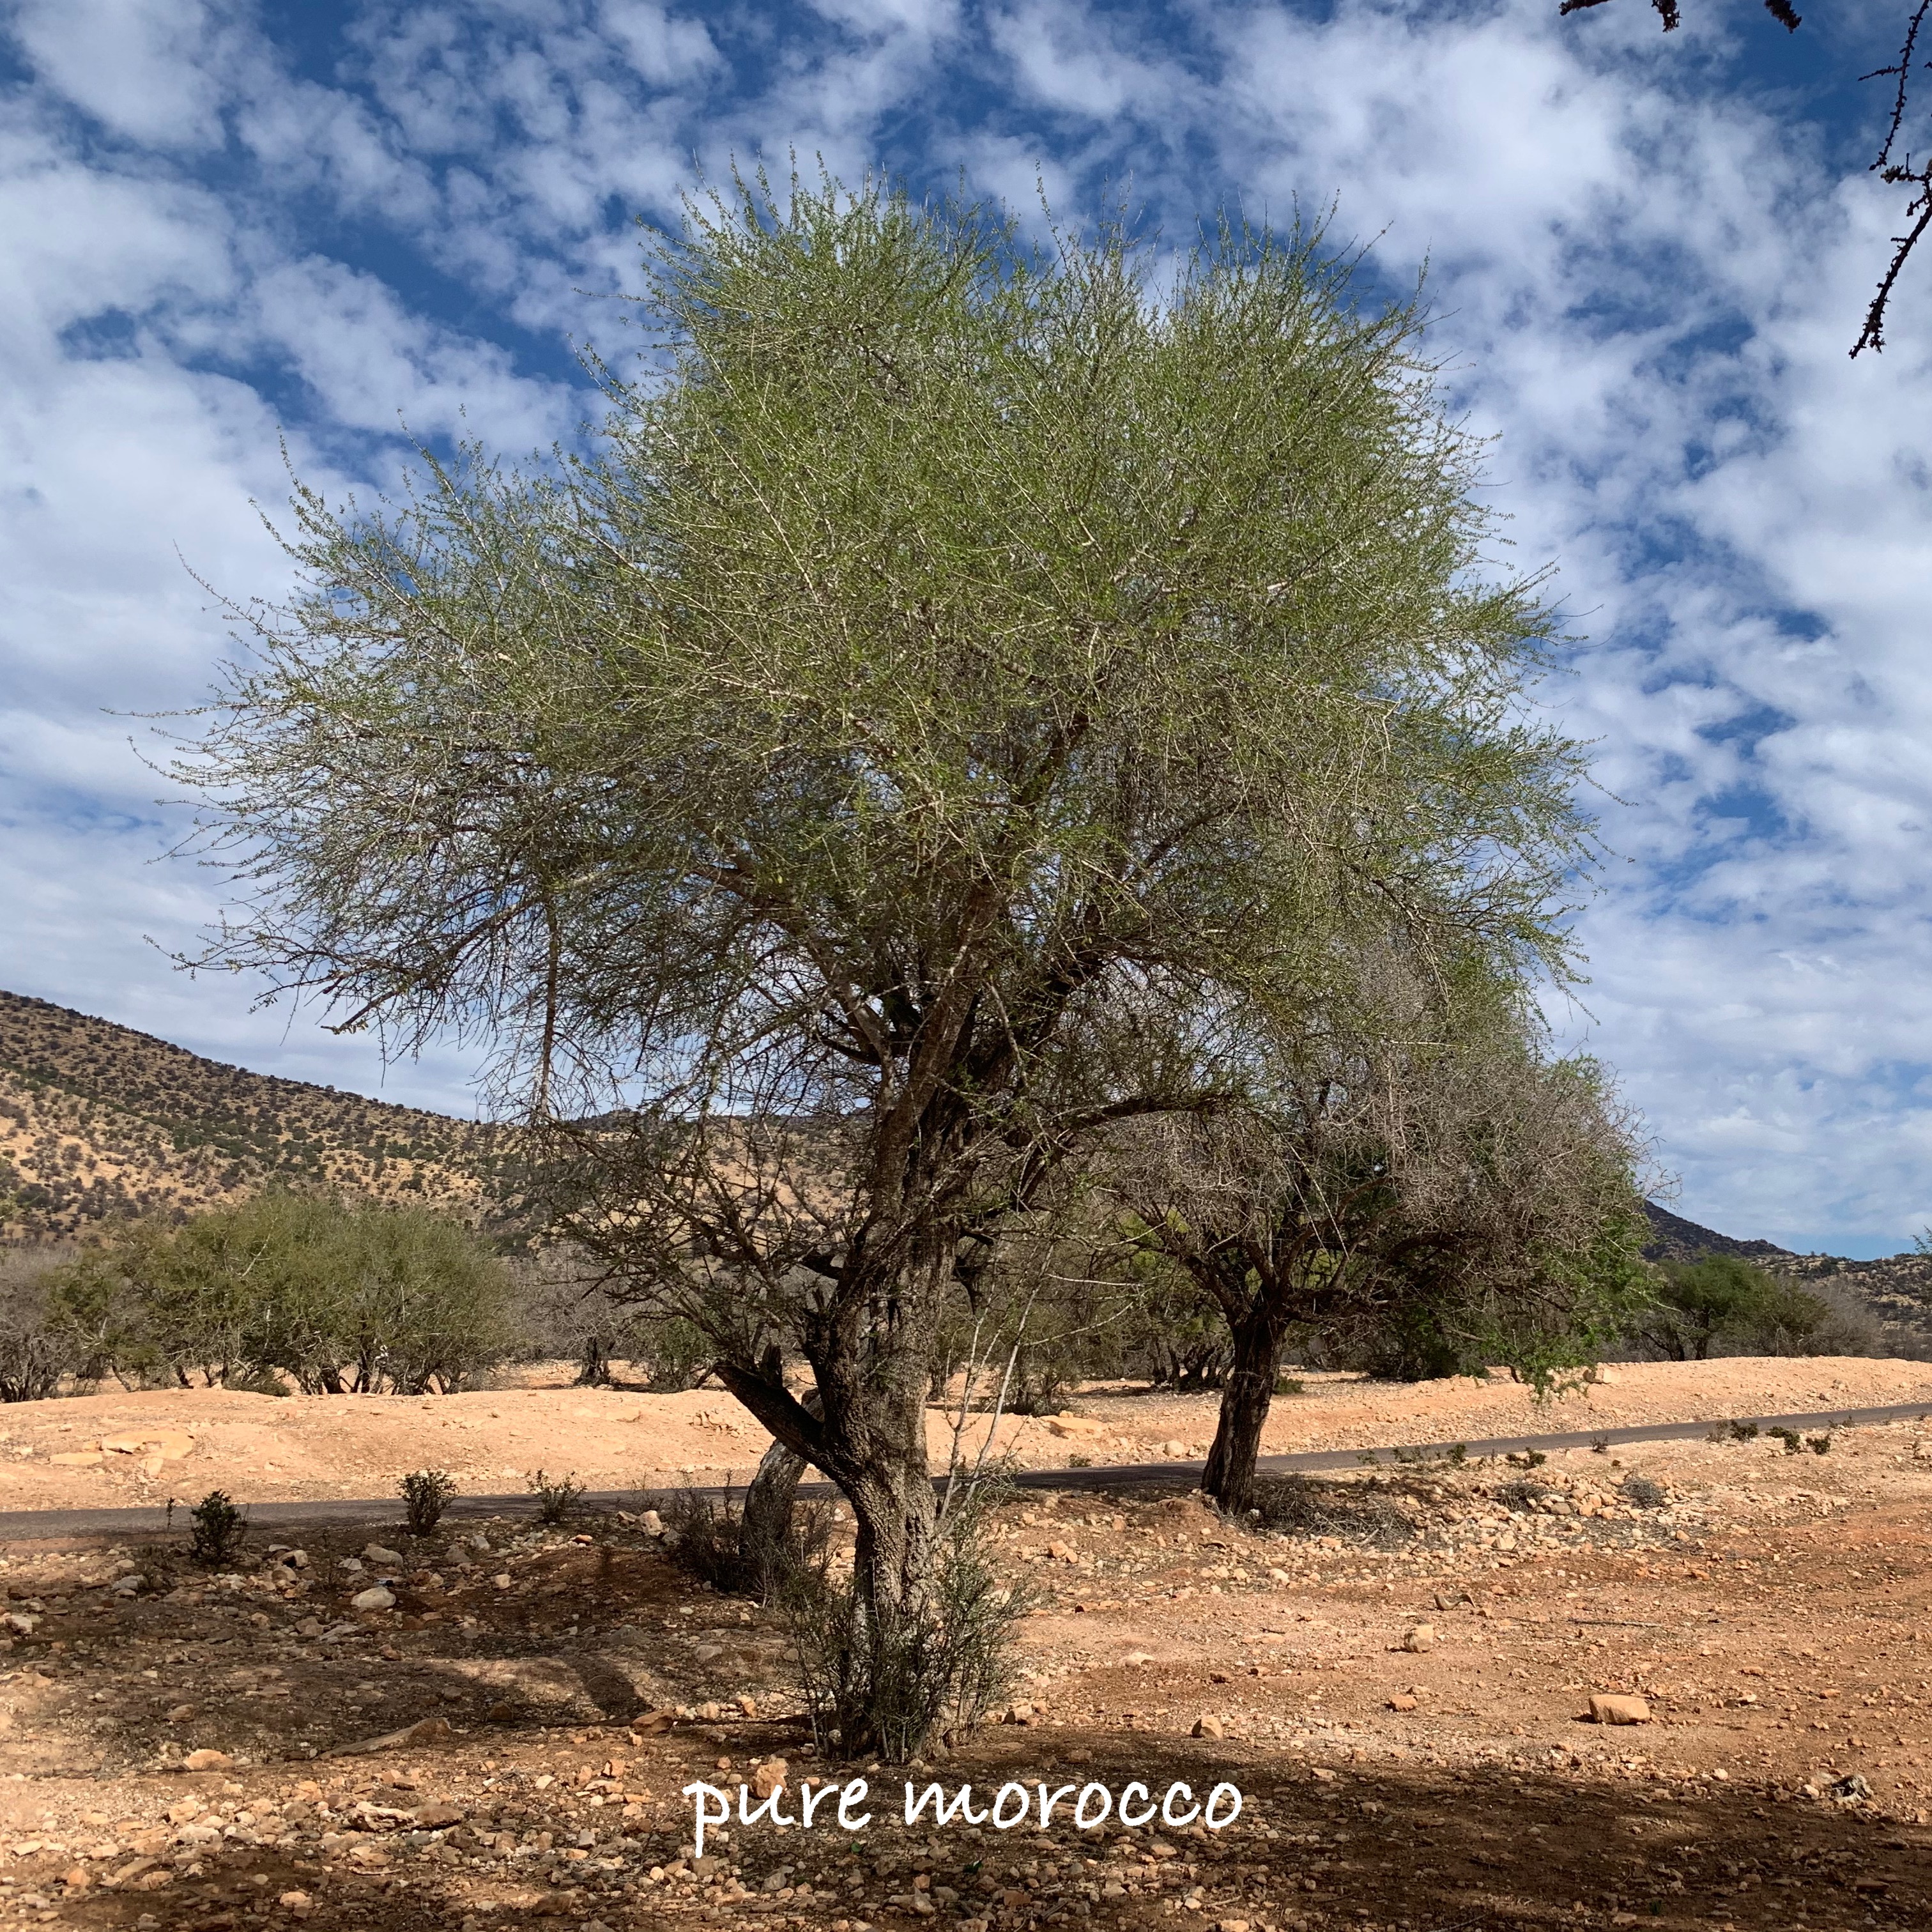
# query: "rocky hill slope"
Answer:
x=97 y=1120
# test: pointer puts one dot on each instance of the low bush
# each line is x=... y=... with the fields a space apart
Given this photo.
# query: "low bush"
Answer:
x=216 y=1531
x=556 y=1501
x=707 y=1540
x=888 y=1692
x=426 y=1493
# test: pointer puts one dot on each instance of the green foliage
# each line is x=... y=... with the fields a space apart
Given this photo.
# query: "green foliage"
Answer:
x=426 y=1493
x=1721 y=1302
x=217 y=1531
x=334 y=1296
x=38 y=1351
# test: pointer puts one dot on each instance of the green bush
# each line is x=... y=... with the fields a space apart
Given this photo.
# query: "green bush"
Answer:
x=335 y=1297
x=1721 y=1303
x=218 y=1528
x=426 y=1492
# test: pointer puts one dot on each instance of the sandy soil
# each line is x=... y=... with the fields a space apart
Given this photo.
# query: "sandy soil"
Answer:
x=264 y=1448
x=1772 y=1606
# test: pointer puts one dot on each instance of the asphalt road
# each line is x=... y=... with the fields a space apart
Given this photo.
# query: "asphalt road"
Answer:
x=18 y=1526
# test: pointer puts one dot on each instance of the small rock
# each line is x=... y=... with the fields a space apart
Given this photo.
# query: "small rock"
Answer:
x=375 y=1553
x=77 y=1459
x=653 y=1523
x=1420 y=1638
x=501 y=1580
x=297 y=1902
x=1138 y=1657
x=206 y=1760
x=1402 y=1701
x=1614 y=1710
x=768 y=1777
x=1208 y=1727
x=1082 y=1426
x=377 y=1598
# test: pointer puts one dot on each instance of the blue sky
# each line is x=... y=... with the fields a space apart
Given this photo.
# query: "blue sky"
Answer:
x=227 y=225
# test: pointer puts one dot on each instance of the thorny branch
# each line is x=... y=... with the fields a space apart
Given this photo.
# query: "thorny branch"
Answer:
x=1894 y=173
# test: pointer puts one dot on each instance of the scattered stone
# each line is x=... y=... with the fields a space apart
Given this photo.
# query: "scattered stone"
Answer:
x=768 y=1777
x=206 y=1760
x=375 y=1553
x=1402 y=1701
x=1616 y=1710
x=377 y=1598
x=1420 y=1638
x=1206 y=1726
x=77 y=1459
x=299 y=1903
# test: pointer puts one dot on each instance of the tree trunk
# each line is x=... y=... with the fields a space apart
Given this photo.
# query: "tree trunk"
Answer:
x=1246 y=1398
x=872 y=1361
x=764 y=1530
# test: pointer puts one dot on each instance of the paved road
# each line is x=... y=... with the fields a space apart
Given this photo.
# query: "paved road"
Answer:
x=23 y=1525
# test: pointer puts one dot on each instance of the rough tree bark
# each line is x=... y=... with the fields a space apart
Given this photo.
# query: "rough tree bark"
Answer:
x=1246 y=1398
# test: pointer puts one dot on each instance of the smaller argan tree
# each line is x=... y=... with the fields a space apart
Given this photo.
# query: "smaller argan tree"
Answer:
x=1421 y=1188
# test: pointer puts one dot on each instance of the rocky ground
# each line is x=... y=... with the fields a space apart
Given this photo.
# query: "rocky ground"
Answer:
x=1394 y=1669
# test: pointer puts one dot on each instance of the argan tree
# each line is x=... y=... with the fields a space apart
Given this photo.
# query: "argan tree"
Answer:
x=1415 y=1186
x=967 y=692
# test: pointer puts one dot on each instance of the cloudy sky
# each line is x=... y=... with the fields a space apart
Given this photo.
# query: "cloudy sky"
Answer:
x=227 y=227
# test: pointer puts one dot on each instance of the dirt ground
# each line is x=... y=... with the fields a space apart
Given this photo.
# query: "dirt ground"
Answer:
x=116 y=1448
x=1395 y=1681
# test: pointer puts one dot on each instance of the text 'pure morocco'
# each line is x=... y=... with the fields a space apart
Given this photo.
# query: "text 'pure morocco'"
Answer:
x=1088 y=1806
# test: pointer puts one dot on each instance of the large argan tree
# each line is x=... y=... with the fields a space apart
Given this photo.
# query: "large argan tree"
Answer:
x=970 y=695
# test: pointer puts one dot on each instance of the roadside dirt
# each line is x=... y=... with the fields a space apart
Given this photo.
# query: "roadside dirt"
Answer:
x=259 y=1448
x=540 y=1697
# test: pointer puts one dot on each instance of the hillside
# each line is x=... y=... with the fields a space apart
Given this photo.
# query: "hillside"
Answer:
x=97 y=1120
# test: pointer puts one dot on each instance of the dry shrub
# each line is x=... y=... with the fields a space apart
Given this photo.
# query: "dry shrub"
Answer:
x=707 y=1540
x=1300 y=1506
x=871 y=1690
